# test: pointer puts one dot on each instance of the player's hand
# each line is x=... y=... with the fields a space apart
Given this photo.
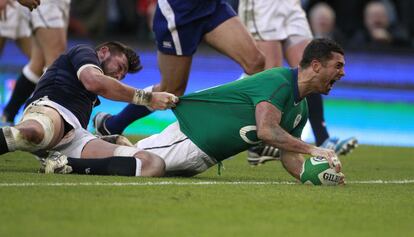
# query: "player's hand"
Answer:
x=329 y=155
x=163 y=100
x=31 y=4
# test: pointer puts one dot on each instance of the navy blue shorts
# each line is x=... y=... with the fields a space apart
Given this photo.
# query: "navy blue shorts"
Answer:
x=179 y=25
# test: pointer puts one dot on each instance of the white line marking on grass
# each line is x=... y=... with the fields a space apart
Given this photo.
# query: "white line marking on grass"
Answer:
x=171 y=183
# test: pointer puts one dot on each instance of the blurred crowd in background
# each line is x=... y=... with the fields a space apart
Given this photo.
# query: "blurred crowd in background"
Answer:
x=356 y=24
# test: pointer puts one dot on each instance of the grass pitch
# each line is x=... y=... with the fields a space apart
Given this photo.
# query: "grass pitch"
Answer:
x=243 y=201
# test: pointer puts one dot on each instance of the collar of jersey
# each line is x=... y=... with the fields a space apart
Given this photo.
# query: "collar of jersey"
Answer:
x=295 y=85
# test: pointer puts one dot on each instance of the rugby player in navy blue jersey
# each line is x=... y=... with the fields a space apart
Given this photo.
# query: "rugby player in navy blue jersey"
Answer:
x=57 y=114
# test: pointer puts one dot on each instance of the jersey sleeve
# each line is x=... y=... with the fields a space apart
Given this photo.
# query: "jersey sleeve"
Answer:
x=274 y=87
x=82 y=57
x=278 y=96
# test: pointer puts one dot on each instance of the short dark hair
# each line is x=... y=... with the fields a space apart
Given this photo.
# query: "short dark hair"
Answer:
x=134 y=63
x=321 y=50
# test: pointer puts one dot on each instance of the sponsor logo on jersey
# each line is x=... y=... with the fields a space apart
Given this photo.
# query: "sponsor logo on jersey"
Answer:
x=297 y=120
x=244 y=133
x=167 y=44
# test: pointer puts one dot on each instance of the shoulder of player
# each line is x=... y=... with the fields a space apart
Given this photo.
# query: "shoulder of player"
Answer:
x=276 y=73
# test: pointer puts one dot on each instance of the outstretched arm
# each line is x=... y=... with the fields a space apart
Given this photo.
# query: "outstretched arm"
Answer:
x=268 y=118
x=95 y=81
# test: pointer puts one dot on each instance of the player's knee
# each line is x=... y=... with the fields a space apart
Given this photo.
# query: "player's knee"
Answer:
x=33 y=133
x=24 y=137
x=255 y=63
x=151 y=164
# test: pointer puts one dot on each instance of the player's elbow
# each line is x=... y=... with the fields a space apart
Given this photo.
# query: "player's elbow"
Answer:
x=264 y=136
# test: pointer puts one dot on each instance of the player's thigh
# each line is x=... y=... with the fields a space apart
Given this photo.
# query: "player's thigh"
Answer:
x=50 y=21
x=52 y=42
x=175 y=71
x=294 y=47
x=49 y=120
x=232 y=39
x=272 y=49
x=98 y=148
x=25 y=44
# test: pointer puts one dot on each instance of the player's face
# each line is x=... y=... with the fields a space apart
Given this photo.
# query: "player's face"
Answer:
x=331 y=72
x=116 y=66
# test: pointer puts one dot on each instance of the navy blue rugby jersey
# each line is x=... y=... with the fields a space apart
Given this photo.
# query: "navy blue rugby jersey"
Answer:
x=60 y=83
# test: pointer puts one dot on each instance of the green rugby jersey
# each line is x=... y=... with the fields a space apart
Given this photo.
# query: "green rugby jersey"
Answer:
x=221 y=120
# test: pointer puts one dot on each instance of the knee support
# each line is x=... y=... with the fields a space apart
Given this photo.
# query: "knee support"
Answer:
x=48 y=131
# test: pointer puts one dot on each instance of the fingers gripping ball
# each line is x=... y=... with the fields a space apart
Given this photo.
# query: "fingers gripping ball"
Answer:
x=316 y=171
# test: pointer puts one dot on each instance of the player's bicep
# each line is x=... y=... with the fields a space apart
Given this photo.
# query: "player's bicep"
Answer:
x=88 y=74
x=88 y=70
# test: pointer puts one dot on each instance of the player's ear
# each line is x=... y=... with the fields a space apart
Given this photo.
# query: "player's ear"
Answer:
x=316 y=65
x=104 y=53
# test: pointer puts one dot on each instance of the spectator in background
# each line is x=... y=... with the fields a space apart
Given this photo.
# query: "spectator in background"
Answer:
x=88 y=18
x=349 y=13
x=405 y=9
x=322 y=19
x=378 y=31
x=145 y=11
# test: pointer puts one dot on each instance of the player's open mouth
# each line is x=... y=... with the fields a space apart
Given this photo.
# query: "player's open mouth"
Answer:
x=332 y=82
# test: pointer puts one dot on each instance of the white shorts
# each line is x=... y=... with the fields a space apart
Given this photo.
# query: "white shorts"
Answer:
x=17 y=23
x=75 y=140
x=49 y=14
x=182 y=157
x=274 y=19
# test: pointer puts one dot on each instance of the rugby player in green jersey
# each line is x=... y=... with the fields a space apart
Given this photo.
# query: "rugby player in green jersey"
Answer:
x=217 y=123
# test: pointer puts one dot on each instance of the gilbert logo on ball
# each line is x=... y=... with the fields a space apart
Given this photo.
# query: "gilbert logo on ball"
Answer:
x=316 y=170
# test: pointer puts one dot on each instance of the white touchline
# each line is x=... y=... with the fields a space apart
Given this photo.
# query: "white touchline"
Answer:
x=171 y=183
